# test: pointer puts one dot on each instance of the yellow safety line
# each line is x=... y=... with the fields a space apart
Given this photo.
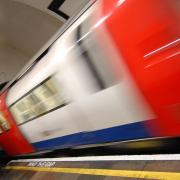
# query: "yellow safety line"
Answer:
x=103 y=172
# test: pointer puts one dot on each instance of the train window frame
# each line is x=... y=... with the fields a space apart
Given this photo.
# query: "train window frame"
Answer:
x=29 y=110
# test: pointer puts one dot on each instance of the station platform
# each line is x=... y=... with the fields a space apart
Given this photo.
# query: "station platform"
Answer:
x=95 y=167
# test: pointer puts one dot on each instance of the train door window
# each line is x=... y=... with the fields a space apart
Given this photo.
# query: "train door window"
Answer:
x=43 y=99
x=1 y=131
x=97 y=62
x=4 y=123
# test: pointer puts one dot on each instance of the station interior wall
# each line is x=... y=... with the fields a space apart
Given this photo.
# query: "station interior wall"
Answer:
x=23 y=31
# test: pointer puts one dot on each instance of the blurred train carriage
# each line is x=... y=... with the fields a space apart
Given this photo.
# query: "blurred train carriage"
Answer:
x=112 y=75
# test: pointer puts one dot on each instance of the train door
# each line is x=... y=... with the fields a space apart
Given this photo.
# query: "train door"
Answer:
x=11 y=139
x=149 y=42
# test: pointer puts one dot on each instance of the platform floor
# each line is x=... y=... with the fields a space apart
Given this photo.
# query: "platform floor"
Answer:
x=94 y=168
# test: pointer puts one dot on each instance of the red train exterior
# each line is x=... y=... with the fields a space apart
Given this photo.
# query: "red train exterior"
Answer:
x=12 y=141
x=147 y=34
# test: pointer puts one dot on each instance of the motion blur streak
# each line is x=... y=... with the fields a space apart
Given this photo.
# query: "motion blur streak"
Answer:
x=111 y=76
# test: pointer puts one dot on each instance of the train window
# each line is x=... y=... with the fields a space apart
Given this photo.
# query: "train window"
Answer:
x=4 y=123
x=44 y=98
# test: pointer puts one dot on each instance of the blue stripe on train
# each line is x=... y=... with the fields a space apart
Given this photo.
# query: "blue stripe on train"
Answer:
x=117 y=133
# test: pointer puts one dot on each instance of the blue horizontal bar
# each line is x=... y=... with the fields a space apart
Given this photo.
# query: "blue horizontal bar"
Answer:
x=117 y=133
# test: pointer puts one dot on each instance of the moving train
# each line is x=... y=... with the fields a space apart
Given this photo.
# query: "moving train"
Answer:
x=112 y=75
